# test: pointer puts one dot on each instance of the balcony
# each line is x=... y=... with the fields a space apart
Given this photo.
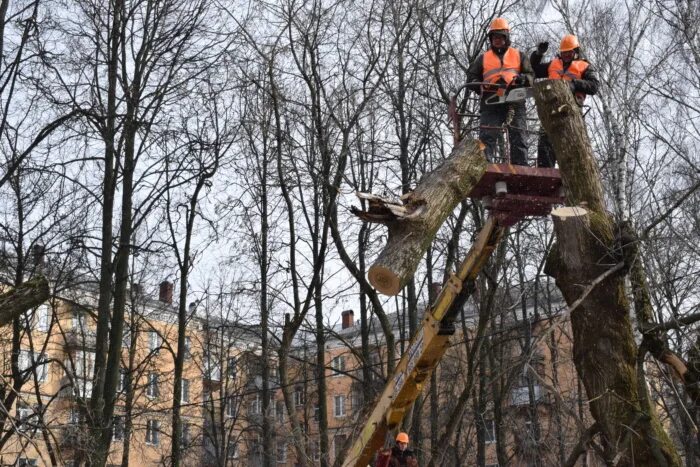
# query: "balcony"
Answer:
x=521 y=396
x=81 y=339
x=84 y=389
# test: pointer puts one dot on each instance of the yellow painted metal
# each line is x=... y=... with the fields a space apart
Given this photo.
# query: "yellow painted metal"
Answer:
x=424 y=352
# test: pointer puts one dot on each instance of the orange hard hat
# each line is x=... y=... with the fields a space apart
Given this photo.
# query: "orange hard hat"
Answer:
x=568 y=42
x=402 y=438
x=499 y=24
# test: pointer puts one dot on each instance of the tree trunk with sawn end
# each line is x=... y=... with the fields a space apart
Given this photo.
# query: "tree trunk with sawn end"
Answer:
x=413 y=224
x=604 y=348
x=21 y=299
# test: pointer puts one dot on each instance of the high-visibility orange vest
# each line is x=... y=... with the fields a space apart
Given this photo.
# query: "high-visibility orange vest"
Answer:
x=575 y=71
x=503 y=70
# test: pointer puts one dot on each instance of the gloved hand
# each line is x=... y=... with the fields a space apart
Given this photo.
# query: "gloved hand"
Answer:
x=542 y=47
x=520 y=80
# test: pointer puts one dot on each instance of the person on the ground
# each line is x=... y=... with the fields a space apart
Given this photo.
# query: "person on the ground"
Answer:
x=568 y=65
x=399 y=455
x=501 y=65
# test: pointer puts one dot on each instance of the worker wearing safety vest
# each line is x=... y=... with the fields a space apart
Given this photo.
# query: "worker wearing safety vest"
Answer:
x=501 y=64
x=570 y=66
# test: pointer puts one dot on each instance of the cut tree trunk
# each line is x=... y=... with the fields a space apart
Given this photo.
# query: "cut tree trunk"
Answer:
x=604 y=348
x=23 y=298
x=414 y=223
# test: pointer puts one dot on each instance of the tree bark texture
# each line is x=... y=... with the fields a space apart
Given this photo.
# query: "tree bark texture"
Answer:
x=426 y=208
x=604 y=348
x=22 y=298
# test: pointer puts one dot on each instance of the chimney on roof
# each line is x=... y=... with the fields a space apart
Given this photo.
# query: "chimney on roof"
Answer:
x=348 y=318
x=166 y=292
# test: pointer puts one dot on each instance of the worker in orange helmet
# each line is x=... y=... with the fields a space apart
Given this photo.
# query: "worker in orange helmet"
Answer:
x=399 y=455
x=570 y=66
x=501 y=64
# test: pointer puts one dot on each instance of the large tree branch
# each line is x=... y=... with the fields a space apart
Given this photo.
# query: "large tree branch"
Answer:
x=580 y=447
x=414 y=222
x=22 y=298
x=41 y=136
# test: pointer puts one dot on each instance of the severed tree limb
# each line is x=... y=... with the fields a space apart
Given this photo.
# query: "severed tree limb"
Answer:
x=414 y=221
x=22 y=298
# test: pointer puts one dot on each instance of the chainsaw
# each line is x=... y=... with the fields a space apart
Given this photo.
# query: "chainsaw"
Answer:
x=505 y=93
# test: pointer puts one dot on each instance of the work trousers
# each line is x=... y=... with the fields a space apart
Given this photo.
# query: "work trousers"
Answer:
x=492 y=119
x=545 y=151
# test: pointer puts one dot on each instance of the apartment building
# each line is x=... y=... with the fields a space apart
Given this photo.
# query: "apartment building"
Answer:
x=526 y=395
x=57 y=358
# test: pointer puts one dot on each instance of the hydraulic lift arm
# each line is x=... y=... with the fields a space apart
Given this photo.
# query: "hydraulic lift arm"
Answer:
x=425 y=349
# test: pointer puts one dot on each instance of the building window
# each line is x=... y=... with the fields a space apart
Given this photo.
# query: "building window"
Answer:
x=231 y=406
x=118 y=428
x=26 y=462
x=489 y=431
x=185 y=396
x=212 y=368
x=84 y=388
x=24 y=415
x=281 y=452
x=316 y=450
x=78 y=322
x=153 y=342
x=256 y=405
x=299 y=399
x=29 y=360
x=338 y=365
x=231 y=368
x=122 y=379
x=84 y=364
x=339 y=406
x=74 y=416
x=43 y=317
x=152 y=432
x=152 y=388
x=188 y=347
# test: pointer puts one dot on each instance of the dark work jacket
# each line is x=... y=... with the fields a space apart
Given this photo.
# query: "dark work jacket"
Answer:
x=476 y=70
x=402 y=458
x=588 y=84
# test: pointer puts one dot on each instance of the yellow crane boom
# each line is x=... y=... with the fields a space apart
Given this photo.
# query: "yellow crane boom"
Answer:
x=425 y=350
